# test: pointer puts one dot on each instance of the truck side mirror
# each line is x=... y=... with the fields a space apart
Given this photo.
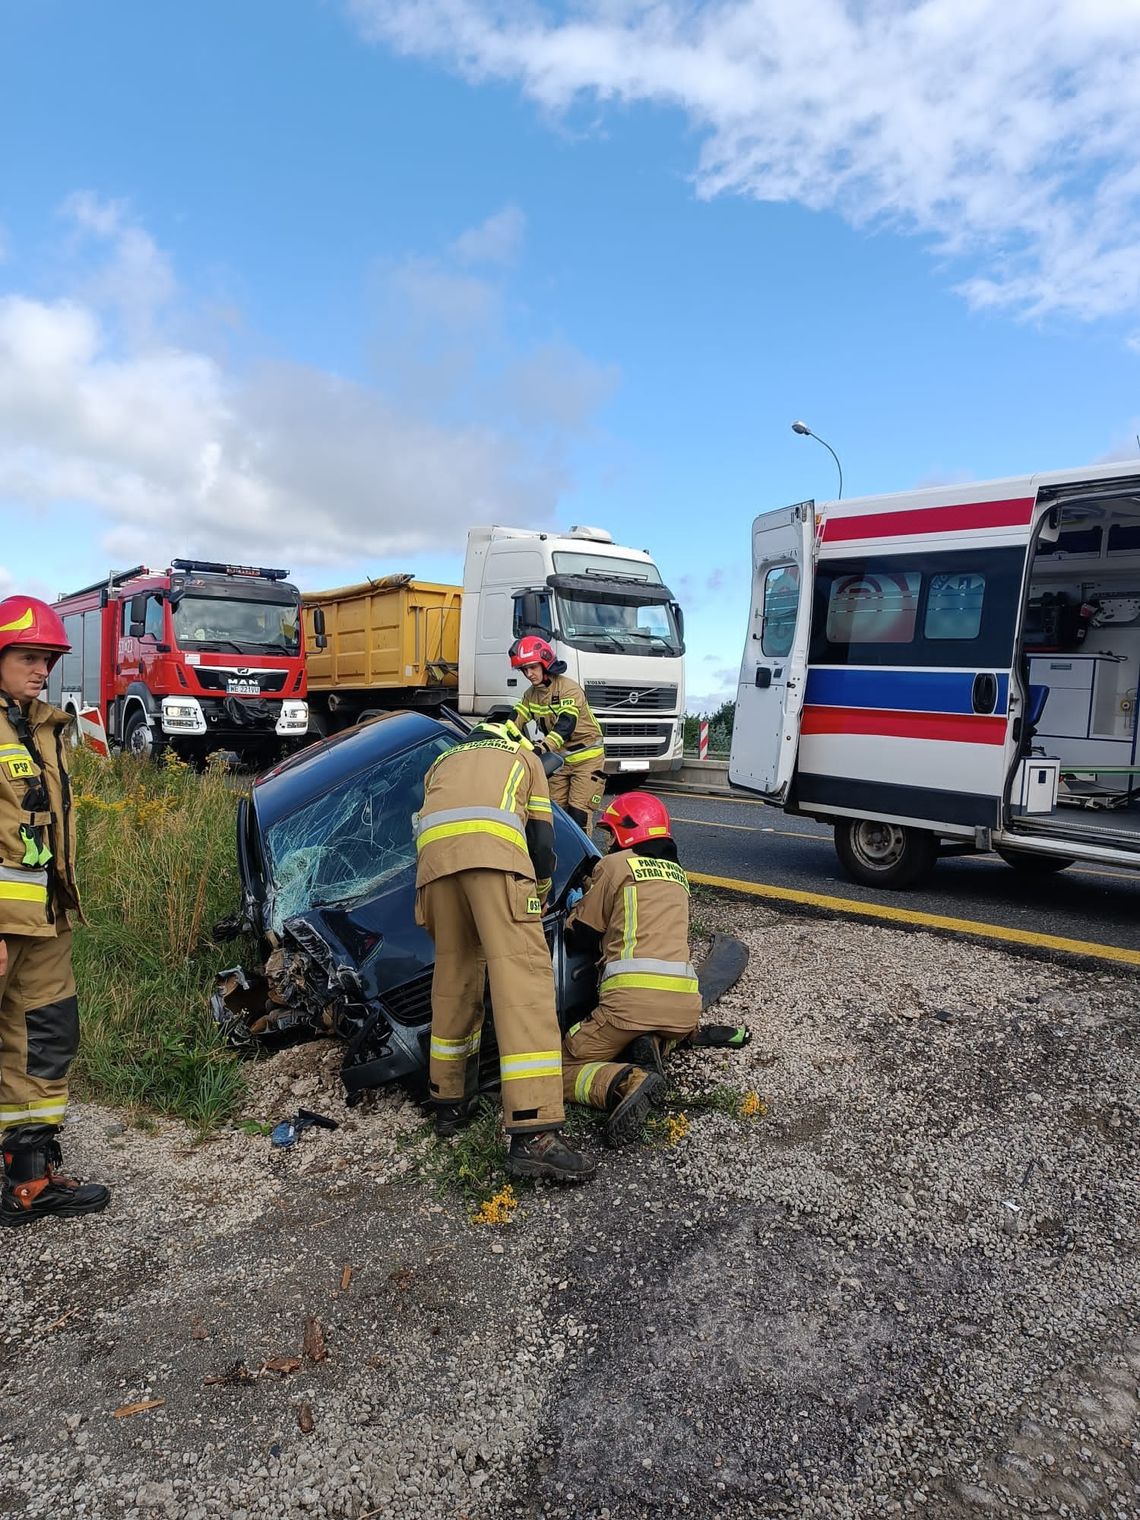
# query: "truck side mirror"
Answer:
x=319 y=639
x=138 y=614
x=531 y=613
x=678 y=613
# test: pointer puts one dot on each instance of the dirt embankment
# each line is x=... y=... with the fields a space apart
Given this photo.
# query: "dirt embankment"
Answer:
x=909 y=1287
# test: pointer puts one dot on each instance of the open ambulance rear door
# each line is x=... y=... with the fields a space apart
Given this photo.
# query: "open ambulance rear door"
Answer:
x=770 y=695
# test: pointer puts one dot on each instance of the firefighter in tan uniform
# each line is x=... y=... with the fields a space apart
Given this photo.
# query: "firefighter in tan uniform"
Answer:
x=559 y=707
x=636 y=909
x=484 y=862
x=39 y=1017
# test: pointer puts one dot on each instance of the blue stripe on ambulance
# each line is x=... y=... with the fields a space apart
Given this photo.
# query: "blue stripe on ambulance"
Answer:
x=948 y=691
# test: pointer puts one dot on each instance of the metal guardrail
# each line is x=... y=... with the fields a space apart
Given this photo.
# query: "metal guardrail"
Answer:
x=694 y=776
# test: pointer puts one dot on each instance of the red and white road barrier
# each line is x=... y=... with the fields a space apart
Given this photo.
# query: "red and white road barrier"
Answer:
x=91 y=731
x=703 y=740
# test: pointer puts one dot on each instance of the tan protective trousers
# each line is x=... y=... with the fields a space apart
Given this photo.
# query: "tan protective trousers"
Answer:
x=39 y=1029
x=588 y=1066
x=488 y=924
x=578 y=786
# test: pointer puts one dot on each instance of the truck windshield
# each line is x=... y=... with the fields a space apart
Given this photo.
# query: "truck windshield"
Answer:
x=594 y=623
x=226 y=623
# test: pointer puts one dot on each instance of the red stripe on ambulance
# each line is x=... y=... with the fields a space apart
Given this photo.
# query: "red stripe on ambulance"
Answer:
x=1015 y=513
x=959 y=728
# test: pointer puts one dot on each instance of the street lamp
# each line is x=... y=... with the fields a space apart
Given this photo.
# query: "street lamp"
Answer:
x=806 y=432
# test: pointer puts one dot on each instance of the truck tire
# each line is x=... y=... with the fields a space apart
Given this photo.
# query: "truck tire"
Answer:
x=139 y=738
x=1031 y=864
x=880 y=854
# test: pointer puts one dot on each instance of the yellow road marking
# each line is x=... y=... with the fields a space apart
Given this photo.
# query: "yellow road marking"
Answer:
x=922 y=920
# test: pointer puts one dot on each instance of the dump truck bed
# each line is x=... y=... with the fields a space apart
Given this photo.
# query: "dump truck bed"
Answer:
x=386 y=635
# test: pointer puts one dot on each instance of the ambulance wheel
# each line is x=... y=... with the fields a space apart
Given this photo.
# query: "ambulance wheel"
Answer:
x=884 y=854
x=138 y=737
x=1030 y=864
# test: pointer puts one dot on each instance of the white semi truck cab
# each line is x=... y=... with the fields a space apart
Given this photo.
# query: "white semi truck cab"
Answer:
x=608 y=615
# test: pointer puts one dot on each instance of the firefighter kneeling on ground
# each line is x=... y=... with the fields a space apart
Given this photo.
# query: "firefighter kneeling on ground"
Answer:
x=39 y=1016
x=484 y=863
x=636 y=912
x=559 y=707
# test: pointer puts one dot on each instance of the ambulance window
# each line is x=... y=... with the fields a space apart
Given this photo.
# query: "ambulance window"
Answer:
x=873 y=608
x=954 y=605
x=781 y=603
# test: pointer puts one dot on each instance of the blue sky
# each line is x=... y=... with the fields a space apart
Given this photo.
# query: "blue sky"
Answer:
x=321 y=284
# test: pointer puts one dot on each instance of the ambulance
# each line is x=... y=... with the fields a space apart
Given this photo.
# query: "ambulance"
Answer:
x=950 y=670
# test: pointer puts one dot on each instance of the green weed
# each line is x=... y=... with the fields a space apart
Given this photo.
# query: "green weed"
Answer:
x=156 y=869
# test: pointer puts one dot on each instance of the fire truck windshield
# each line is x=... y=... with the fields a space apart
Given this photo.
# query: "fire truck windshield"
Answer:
x=227 y=623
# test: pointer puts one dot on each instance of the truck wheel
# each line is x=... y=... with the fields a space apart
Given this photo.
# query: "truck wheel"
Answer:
x=1031 y=864
x=139 y=738
x=884 y=854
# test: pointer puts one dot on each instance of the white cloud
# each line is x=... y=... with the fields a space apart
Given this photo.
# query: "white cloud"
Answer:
x=1004 y=131
x=495 y=241
x=99 y=405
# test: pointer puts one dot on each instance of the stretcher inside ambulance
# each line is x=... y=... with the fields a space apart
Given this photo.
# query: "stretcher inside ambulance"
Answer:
x=950 y=670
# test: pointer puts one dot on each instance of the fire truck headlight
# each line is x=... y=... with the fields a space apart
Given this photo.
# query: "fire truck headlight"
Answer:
x=294 y=718
x=182 y=715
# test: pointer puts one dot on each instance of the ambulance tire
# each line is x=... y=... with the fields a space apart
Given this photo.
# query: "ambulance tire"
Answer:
x=877 y=854
x=1030 y=864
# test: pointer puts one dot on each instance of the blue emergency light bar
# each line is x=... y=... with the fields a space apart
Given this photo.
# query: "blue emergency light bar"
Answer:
x=210 y=567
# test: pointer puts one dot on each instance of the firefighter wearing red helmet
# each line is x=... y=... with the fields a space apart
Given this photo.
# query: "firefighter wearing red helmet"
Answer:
x=39 y=1018
x=559 y=707
x=636 y=911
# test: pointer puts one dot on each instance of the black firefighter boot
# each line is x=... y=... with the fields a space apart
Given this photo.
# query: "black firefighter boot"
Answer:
x=633 y=1093
x=34 y=1187
x=544 y=1154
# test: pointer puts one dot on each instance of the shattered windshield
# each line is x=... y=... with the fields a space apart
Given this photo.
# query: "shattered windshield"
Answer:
x=650 y=628
x=353 y=840
x=223 y=622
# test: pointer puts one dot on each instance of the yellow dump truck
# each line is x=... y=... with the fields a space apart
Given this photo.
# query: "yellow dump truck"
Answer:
x=392 y=642
x=401 y=642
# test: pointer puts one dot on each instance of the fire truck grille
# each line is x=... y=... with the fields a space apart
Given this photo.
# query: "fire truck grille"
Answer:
x=624 y=697
x=215 y=680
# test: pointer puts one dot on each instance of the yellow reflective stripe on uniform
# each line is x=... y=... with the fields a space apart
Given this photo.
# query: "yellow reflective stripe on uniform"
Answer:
x=511 y=790
x=14 y=749
x=42 y=1111
x=23 y=886
x=629 y=934
x=540 y=805
x=530 y=1063
x=554 y=740
x=455 y=1050
x=594 y=753
x=585 y=1080
x=472 y=826
x=652 y=983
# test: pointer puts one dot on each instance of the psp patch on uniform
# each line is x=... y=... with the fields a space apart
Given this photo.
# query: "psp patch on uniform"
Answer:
x=20 y=768
x=534 y=905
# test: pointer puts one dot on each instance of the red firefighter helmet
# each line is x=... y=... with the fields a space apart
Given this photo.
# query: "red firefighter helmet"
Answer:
x=636 y=818
x=531 y=650
x=27 y=620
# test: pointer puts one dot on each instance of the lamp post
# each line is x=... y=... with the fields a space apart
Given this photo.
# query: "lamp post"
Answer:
x=806 y=432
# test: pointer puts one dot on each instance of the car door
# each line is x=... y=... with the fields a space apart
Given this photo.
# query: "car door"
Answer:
x=769 y=698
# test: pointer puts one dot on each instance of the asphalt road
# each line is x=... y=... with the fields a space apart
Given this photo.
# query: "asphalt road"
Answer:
x=749 y=841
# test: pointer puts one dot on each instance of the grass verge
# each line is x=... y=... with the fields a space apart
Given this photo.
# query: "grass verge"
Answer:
x=156 y=869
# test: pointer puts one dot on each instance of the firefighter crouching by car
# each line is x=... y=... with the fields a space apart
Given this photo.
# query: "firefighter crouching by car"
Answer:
x=636 y=911
x=559 y=707
x=484 y=863
x=39 y=1017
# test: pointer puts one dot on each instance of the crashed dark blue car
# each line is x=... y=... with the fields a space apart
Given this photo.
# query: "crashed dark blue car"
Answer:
x=327 y=863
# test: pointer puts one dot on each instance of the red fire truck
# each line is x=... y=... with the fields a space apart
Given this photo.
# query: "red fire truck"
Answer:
x=199 y=657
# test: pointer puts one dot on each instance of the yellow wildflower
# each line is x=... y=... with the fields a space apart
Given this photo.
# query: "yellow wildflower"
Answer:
x=753 y=1106
x=676 y=1128
x=498 y=1208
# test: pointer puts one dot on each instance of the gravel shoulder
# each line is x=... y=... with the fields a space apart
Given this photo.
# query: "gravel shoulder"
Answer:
x=907 y=1287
